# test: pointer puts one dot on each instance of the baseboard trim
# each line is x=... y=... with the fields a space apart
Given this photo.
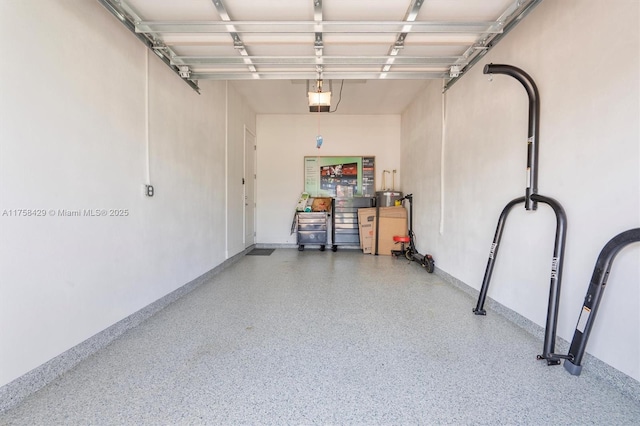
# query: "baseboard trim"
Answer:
x=624 y=383
x=16 y=391
x=276 y=246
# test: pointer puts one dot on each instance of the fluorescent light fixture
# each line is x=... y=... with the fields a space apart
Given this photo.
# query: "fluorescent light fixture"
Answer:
x=319 y=101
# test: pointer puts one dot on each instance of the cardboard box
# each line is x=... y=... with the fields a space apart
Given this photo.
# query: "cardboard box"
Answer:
x=393 y=221
x=367 y=227
x=321 y=204
x=390 y=227
x=366 y=241
x=397 y=212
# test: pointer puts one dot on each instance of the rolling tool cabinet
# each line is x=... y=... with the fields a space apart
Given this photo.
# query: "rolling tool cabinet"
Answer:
x=345 y=220
x=312 y=229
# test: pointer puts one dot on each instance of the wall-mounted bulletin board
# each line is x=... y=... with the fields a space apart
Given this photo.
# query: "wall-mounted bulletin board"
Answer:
x=339 y=177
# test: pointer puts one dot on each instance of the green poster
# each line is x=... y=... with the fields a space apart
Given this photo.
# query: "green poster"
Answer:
x=338 y=177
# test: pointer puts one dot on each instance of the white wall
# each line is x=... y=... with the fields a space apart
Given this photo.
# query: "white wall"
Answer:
x=589 y=162
x=72 y=136
x=284 y=141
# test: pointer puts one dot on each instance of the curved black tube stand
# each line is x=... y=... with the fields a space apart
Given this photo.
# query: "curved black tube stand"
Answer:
x=557 y=262
x=479 y=309
x=533 y=126
x=593 y=297
x=531 y=200
x=556 y=272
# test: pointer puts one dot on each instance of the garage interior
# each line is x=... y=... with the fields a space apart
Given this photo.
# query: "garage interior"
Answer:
x=206 y=102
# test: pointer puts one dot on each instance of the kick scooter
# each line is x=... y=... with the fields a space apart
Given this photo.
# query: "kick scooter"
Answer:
x=410 y=251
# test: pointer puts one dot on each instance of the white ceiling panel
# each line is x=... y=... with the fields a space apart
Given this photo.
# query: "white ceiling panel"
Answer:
x=373 y=47
x=171 y=10
x=269 y=10
x=364 y=10
x=197 y=40
x=205 y=50
x=435 y=39
x=277 y=40
x=356 y=39
x=281 y=50
x=463 y=10
x=393 y=45
x=434 y=50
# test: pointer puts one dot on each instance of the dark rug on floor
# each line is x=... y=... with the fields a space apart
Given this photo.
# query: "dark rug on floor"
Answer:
x=260 y=252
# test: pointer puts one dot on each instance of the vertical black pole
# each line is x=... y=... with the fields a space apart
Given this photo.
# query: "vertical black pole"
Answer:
x=333 y=225
x=375 y=243
x=594 y=296
x=557 y=263
x=410 y=198
x=493 y=253
x=533 y=126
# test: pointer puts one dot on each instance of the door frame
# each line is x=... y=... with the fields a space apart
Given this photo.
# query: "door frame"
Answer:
x=249 y=175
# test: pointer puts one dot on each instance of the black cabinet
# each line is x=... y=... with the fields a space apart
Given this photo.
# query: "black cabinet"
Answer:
x=345 y=230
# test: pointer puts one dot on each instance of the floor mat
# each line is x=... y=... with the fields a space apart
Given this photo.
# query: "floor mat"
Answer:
x=260 y=252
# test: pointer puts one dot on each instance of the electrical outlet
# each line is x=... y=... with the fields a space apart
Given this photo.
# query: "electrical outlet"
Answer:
x=149 y=191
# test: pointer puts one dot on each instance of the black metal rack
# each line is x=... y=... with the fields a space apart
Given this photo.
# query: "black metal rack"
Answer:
x=344 y=229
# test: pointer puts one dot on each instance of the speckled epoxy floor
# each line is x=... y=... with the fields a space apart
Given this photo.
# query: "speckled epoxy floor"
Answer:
x=324 y=338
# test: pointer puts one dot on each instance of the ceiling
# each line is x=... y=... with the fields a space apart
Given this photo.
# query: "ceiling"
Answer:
x=377 y=53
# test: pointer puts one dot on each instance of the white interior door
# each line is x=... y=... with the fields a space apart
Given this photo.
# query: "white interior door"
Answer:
x=249 y=185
